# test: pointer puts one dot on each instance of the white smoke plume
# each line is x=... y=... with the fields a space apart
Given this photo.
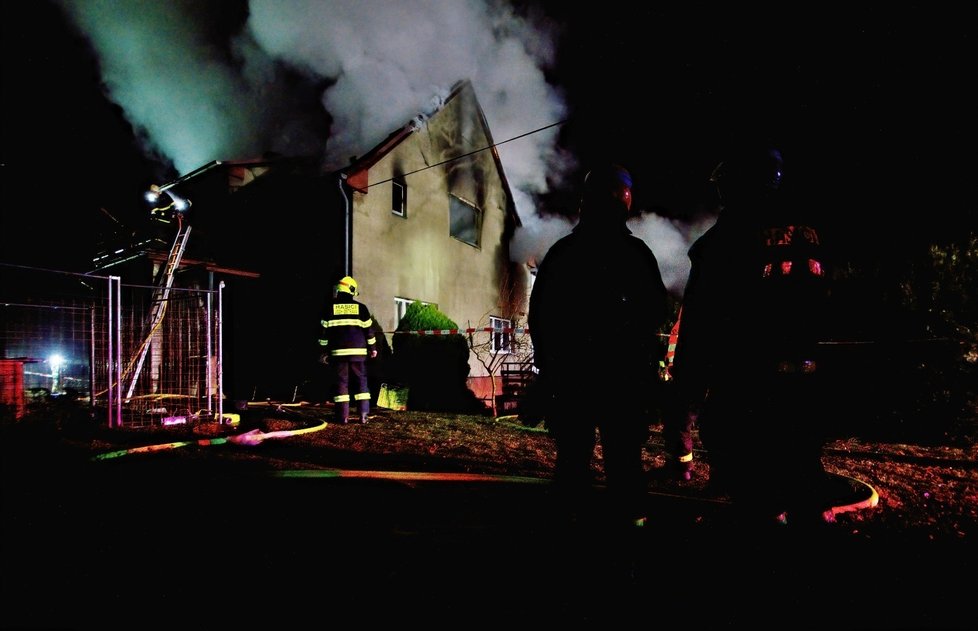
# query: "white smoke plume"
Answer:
x=369 y=65
x=537 y=233
x=670 y=241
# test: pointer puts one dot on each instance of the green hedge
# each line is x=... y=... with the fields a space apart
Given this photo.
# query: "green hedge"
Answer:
x=433 y=367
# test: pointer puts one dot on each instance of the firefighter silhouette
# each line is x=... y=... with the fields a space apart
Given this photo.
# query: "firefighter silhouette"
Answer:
x=747 y=356
x=595 y=309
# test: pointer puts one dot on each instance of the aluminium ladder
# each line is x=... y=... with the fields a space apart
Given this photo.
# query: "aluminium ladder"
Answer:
x=160 y=296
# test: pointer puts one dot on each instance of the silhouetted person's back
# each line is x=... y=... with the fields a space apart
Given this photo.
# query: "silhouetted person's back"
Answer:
x=754 y=309
x=596 y=305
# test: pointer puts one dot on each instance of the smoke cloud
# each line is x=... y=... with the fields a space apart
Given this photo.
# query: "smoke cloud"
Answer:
x=670 y=241
x=334 y=78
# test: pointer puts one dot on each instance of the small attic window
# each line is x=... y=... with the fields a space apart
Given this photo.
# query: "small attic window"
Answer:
x=399 y=196
x=465 y=220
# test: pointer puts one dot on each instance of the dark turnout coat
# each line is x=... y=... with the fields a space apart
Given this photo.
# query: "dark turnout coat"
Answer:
x=756 y=300
x=748 y=356
x=346 y=329
x=595 y=309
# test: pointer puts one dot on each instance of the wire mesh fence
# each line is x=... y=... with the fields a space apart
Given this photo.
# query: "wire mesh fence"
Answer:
x=136 y=355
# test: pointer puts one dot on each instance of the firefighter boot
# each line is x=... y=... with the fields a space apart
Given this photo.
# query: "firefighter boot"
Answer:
x=342 y=412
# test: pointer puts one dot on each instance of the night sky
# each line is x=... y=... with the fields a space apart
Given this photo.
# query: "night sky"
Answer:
x=872 y=104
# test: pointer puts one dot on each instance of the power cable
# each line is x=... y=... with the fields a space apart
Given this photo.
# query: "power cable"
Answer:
x=465 y=155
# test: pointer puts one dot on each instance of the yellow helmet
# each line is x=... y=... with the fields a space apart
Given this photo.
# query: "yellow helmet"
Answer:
x=347 y=284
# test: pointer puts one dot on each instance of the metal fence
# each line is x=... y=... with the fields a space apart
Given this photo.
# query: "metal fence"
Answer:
x=137 y=355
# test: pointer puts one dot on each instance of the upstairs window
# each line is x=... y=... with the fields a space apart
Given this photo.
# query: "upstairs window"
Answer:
x=501 y=334
x=465 y=220
x=399 y=196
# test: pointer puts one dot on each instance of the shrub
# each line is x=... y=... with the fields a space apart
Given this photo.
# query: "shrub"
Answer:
x=435 y=368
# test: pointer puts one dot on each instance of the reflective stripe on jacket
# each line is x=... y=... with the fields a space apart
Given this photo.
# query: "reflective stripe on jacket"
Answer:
x=346 y=328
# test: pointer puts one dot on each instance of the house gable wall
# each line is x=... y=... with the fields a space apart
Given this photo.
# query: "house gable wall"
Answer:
x=415 y=256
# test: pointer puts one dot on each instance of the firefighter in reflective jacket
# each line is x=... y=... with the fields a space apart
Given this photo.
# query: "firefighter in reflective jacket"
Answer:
x=348 y=340
x=757 y=276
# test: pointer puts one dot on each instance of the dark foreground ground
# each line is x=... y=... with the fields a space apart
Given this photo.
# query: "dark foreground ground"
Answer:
x=348 y=526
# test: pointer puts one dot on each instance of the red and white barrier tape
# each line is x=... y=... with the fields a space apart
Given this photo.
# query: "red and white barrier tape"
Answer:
x=464 y=331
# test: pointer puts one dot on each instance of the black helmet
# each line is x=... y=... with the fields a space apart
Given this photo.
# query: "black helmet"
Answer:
x=607 y=178
x=751 y=171
x=608 y=190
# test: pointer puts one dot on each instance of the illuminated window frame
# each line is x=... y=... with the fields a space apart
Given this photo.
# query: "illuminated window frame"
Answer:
x=501 y=339
x=399 y=196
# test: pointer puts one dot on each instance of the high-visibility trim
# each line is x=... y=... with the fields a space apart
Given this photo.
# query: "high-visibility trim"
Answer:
x=806 y=367
x=346 y=352
x=371 y=340
x=341 y=322
x=670 y=358
x=362 y=396
x=324 y=342
x=369 y=322
x=341 y=398
x=785 y=268
x=686 y=457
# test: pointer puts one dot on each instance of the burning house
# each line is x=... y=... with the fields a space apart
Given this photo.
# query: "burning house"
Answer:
x=426 y=215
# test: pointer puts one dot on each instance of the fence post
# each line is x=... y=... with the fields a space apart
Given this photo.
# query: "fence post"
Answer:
x=220 y=352
x=114 y=317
